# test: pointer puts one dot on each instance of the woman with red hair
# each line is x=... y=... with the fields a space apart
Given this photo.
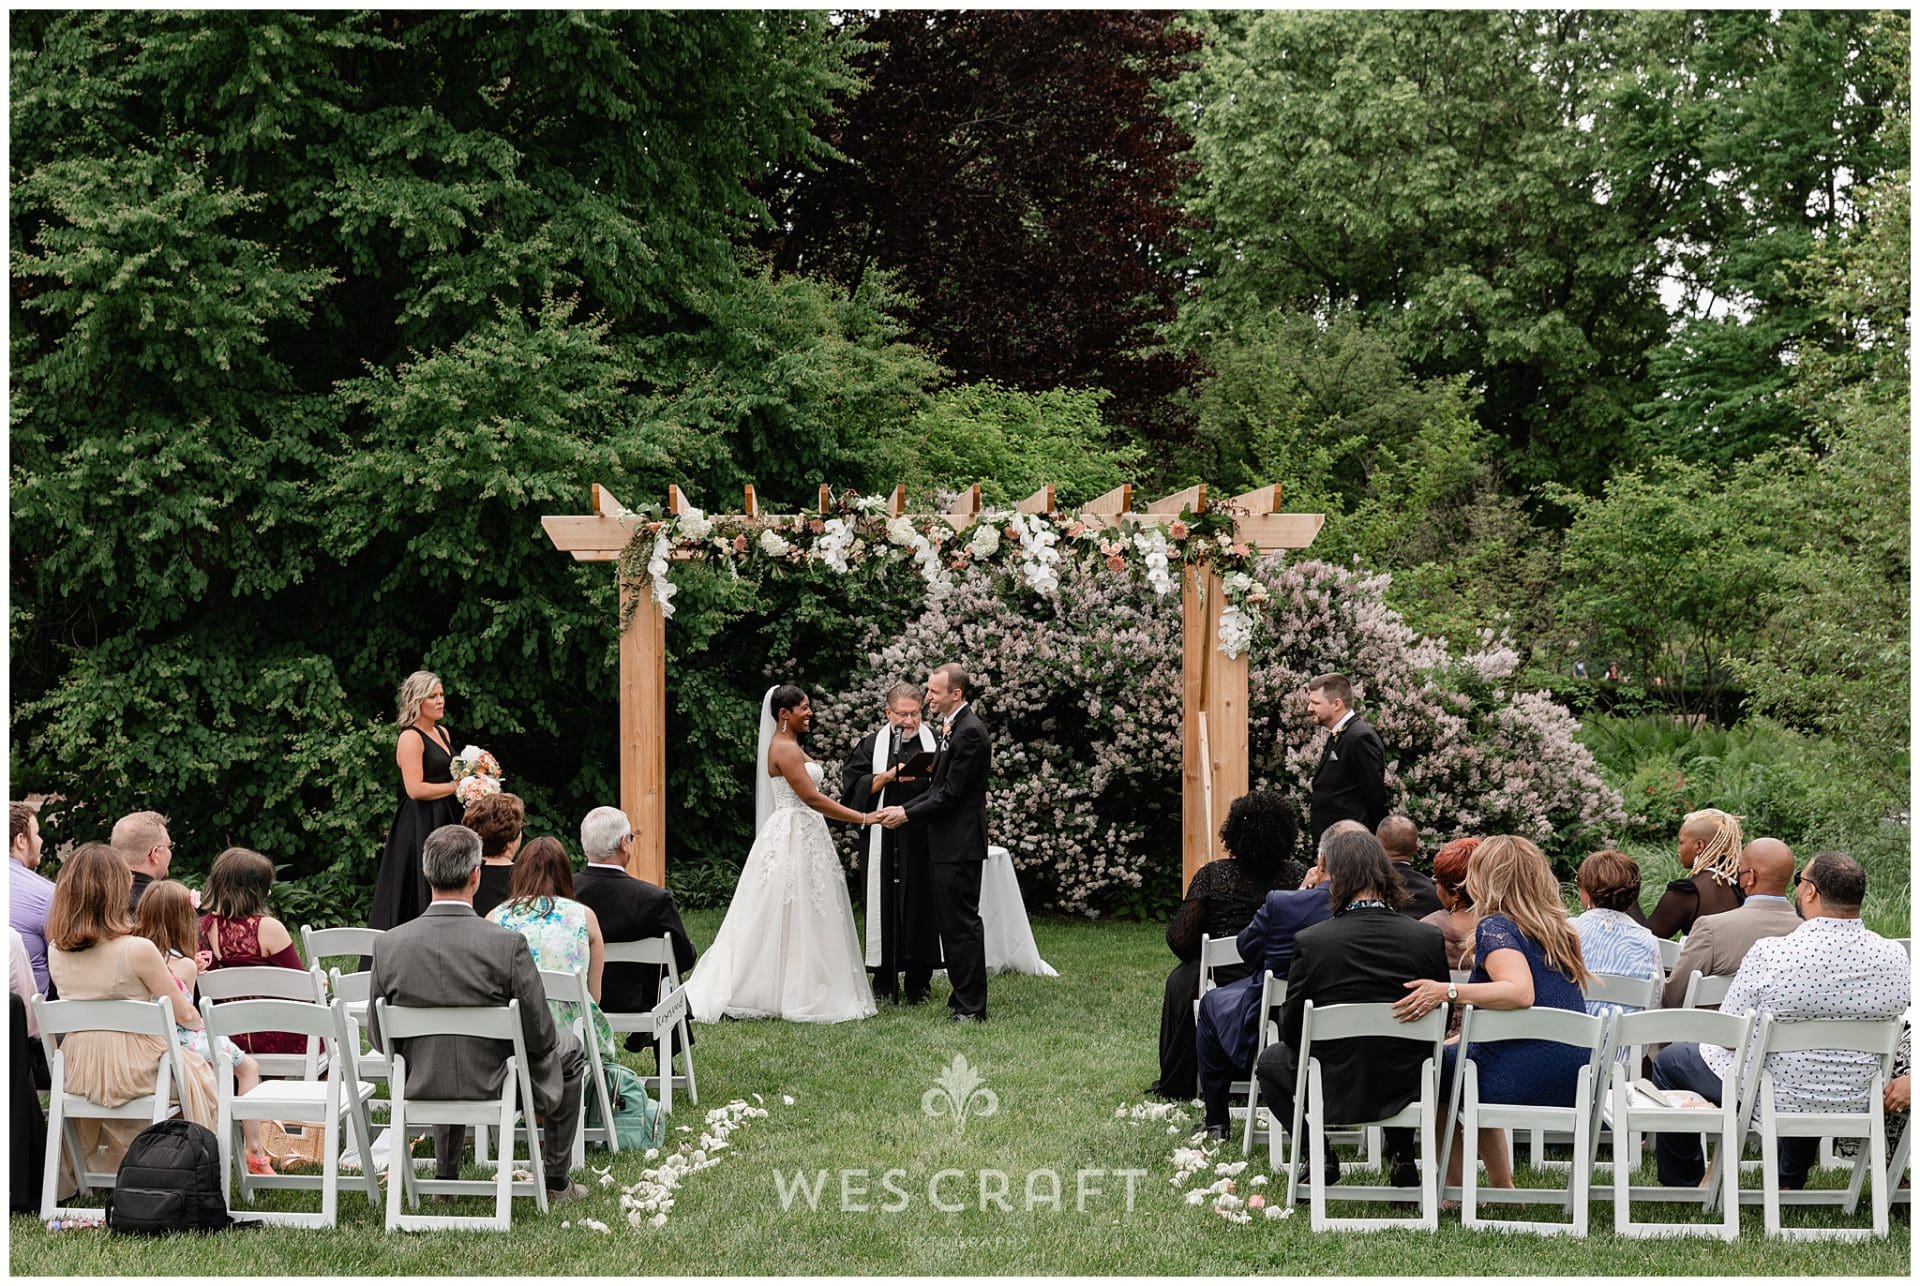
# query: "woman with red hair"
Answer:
x=1455 y=917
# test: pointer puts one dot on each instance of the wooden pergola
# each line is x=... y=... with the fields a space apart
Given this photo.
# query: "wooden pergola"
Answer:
x=1213 y=741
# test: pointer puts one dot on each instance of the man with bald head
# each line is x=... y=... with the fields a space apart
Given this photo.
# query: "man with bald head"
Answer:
x=1401 y=840
x=1718 y=943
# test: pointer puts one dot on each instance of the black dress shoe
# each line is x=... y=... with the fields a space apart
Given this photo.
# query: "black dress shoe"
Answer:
x=1331 y=1169
x=916 y=998
x=1404 y=1174
x=966 y=1018
x=1217 y=1133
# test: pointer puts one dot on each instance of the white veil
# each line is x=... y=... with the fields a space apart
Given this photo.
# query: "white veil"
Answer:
x=762 y=783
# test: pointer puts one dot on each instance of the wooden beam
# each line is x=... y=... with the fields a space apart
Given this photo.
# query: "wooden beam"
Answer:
x=1213 y=729
x=826 y=499
x=965 y=510
x=589 y=538
x=897 y=502
x=605 y=505
x=1194 y=498
x=643 y=733
x=675 y=500
x=1259 y=501
x=1117 y=501
x=753 y=504
x=1040 y=502
x=1280 y=531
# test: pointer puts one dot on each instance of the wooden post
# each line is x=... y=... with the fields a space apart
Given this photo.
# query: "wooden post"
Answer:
x=643 y=732
x=1213 y=728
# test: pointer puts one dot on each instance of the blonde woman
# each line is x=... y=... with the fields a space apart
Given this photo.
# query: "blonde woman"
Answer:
x=1526 y=954
x=424 y=756
x=1710 y=850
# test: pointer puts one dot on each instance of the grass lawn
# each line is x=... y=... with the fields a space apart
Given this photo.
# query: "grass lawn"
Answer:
x=1060 y=1054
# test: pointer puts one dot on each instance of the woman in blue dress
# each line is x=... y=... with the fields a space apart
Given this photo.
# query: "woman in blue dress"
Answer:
x=1526 y=955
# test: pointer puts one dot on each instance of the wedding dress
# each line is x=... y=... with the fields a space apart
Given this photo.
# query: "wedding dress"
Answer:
x=788 y=948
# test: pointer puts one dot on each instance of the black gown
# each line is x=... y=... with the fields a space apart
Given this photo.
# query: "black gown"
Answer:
x=400 y=891
x=909 y=927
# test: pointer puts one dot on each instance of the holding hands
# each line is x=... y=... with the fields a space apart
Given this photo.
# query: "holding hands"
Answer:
x=891 y=816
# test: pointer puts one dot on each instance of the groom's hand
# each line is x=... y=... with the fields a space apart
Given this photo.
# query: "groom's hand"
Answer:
x=893 y=815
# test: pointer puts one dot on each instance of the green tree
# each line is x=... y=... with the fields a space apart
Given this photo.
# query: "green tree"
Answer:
x=1013 y=443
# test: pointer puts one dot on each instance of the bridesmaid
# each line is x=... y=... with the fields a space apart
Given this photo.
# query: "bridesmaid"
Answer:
x=424 y=755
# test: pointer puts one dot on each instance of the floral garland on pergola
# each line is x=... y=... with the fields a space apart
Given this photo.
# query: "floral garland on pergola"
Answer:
x=860 y=531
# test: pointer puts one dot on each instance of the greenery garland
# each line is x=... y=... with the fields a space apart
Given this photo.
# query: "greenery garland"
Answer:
x=857 y=531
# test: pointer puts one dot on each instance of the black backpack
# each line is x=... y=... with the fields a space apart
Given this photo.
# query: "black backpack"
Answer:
x=169 y=1182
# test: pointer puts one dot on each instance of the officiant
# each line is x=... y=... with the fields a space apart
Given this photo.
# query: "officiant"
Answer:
x=903 y=935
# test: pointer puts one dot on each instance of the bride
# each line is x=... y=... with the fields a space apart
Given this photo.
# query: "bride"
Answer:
x=787 y=948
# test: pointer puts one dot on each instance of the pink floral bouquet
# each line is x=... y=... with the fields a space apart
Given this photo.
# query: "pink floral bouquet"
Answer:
x=477 y=773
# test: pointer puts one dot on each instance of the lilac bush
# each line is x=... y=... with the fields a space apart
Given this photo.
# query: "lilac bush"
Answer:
x=1082 y=693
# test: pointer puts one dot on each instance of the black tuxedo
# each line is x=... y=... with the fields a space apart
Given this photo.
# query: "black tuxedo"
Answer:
x=1361 y=956
x=954 y=809
x=631 y=910
x=1422 y=901
x=1351 y=782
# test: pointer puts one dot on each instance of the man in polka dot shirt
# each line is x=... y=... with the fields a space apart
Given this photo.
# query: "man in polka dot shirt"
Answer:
x=1832 y=966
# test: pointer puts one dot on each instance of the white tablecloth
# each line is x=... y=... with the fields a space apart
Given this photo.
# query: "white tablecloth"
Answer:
x=1003 y=918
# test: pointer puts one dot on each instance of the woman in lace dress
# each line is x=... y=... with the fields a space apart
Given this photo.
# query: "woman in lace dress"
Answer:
x=788 y=948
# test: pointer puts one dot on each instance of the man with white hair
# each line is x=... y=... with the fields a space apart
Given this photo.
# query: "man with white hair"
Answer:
x=630 y=910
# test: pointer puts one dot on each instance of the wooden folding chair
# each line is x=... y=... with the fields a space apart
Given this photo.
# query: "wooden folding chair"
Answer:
x=338 y=1100
x=57 y=1019
x=399 y=1023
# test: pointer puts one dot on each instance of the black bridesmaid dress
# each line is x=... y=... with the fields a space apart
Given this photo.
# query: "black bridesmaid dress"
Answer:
x=400 y=891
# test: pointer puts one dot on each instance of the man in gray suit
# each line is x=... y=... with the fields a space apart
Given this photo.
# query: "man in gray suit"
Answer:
x=451 y=958
x=1718 y=943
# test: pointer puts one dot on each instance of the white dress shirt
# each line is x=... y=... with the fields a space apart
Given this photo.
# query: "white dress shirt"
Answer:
x=1826 y=968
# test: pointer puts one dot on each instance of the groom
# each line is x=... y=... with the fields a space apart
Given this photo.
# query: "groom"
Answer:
x=954 y=809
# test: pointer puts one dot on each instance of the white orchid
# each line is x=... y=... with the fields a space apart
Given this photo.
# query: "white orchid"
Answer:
x=1236 y=630
x=663 y=588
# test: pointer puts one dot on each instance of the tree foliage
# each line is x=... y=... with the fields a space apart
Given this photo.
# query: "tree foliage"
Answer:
x=1015 y=171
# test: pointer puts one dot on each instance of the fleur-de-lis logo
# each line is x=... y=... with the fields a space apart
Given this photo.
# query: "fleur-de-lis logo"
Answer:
x=959 y=1091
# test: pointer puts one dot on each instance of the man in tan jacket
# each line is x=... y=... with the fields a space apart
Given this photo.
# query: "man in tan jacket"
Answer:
x=1718 y=943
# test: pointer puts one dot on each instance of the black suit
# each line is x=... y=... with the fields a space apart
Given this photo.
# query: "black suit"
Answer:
x=631 y=910
x=955 y=812
x=1422 y=901
x=1351 y=782
x=1361 y=956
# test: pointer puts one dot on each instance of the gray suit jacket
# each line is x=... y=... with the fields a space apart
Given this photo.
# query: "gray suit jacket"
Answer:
x=1718 y=943
x=450 y=957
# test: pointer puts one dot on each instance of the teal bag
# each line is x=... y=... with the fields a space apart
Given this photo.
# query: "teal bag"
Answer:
x=638 y=1122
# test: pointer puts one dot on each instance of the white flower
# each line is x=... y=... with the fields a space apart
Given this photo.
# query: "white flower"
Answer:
x=900 y=531
x=1239 y=583
x=663 y=588
x=985 y=542
x=773 y=544
x=787 y=1099
x=658 y=1221
x=694 y=524
x=1236 y=630
x=834 y=544
x=1197 y=1196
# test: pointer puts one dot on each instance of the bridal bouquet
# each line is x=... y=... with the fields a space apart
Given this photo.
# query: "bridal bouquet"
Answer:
x=477 y=773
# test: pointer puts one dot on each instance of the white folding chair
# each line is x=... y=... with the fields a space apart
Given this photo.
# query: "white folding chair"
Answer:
x=1581 y=1120
x=1273 y=991
x=335 y=1102
x=269 y=982
x=399 y=1023
x=1705 y=991
x=1632 y=1112
x=353 y=991
x=320 y=944
x=1215 y=954
x=1349 y=1022
x=1876 y=1038
x=60 y=1018
x=1622 y=990
x=1669 y=952
x=572 y=987
x=659 y=953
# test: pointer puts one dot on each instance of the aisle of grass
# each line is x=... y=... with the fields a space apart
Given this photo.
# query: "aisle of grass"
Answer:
x=1059 y=1054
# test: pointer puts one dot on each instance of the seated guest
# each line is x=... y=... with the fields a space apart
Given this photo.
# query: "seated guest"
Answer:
x=237 y=933
x=499 y=820
x=1363 y=955
x=563 y=935
x=29 y=893
x=1260 y=835
x=165 y=919
x=1832 y=966
x=1401 y=840
x=1227 y=1031
x=448 y=957
x=142 y=842
x=1610 y=942
x=629 y=910
x=1717 y=944
x=27 y=1145
x=93 y=954
x=1710 y=850
x=1526 y=954
x=1455 y=918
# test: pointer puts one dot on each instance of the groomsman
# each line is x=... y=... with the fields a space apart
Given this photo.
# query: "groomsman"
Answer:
x=955 y=813
x=1351 y=782
x=903 y=932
